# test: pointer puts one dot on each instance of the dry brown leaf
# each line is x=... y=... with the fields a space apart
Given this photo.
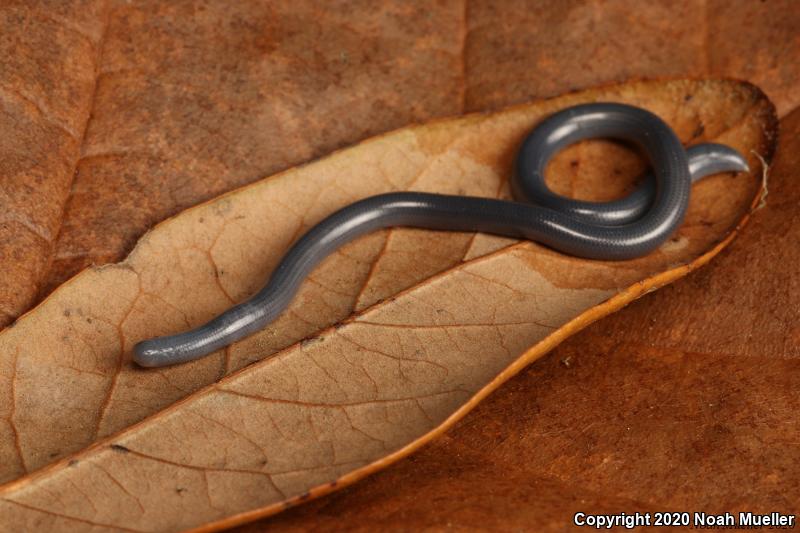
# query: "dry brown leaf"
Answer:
x=615 y=421
x=195 y=98
x=758 y=42
x=351 y=399
x=47 y=75
x=522 y=49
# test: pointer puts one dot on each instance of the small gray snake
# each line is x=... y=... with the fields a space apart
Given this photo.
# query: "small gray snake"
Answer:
x=623 y=229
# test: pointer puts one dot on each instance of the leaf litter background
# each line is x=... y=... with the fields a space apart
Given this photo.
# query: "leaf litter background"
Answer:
x=117 y=115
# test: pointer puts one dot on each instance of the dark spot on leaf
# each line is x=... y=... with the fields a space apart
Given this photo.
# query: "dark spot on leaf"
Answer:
x=698 y=131
x=688 y=97
x=67 y=312
x=73 y=462
x=119 y=448
x=180 y=490
x=311 y=340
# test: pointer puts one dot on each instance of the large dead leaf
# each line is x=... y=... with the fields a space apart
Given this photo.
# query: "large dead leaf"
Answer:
x=349 y=399
x=191 y=99
x=612 y=420
x=519 y=49
x=47 y=76
x=197 y=99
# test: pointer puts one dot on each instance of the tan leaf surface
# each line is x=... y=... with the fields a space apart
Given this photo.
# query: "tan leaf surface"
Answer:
x=616 y=421
x=349 y=399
